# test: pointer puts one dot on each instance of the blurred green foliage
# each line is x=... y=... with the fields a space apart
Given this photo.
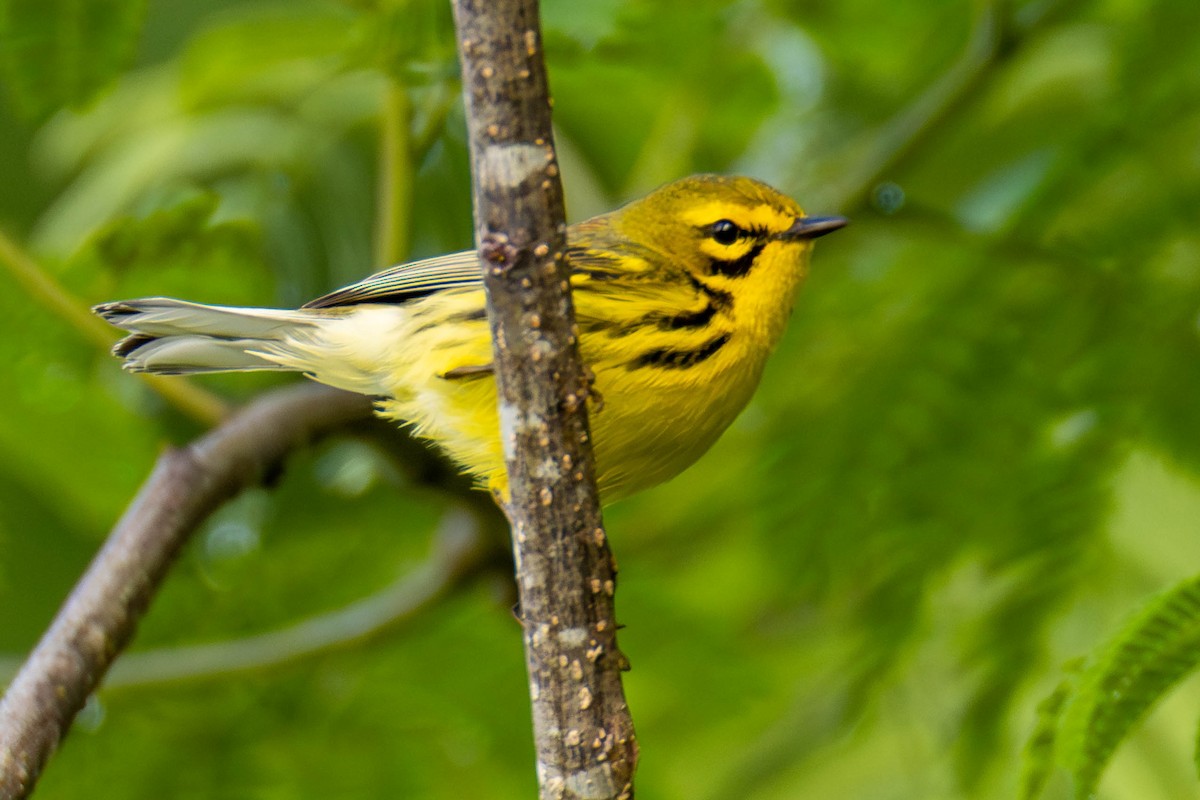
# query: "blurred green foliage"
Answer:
x=977 y=450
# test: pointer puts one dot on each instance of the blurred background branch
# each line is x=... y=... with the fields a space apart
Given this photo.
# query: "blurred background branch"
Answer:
x=461 y=553
x=395 y=177
x=997 y=34
x=196 y=403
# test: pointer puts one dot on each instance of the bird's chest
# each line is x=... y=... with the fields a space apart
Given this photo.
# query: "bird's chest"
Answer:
x=653 y=420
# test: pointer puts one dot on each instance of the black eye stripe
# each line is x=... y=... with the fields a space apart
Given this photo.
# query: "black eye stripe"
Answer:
x=737 y=267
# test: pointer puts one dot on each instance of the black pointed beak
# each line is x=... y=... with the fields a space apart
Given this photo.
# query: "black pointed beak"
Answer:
x=812 y=227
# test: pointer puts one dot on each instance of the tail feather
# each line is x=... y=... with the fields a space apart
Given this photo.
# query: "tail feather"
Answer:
x=174 y=337
x=190 y=355
x=163 y=316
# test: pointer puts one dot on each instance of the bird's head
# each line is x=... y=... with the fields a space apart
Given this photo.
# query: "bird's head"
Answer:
x=727 y=228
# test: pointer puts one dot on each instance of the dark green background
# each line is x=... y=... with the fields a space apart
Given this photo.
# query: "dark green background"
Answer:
x=975 y=452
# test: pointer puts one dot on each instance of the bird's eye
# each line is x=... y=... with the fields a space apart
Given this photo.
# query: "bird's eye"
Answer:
x=725 y=232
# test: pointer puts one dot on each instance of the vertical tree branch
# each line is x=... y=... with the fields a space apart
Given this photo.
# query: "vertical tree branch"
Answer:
x=583 y=733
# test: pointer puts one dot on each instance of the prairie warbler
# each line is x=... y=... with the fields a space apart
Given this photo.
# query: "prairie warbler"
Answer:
x=679 y=297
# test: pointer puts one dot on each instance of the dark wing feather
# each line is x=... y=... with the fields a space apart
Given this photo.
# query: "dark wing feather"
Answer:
x=407 y=281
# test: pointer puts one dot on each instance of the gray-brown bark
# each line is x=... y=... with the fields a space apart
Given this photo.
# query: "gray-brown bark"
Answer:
x=102 y=612
x=565 y=573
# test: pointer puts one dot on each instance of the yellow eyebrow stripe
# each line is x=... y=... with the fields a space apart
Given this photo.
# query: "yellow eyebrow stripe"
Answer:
x=726 y=252
x=762 y=216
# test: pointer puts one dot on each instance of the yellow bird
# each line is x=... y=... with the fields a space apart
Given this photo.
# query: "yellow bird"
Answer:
x=679 y=297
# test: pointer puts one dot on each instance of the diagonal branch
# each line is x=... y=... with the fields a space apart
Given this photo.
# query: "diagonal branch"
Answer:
x=100 y=616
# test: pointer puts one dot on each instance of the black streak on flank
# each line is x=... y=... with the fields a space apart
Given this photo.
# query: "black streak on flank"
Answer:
x=597 y=325
x=470 y=371
x=689 y=319
x=685 y=320
x=474 y=315
x=738 y=266
x=668 y=358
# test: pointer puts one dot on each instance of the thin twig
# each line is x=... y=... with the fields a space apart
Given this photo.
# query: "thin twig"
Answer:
x=200 y=405
x=52 y=295
x=995 y=38
x=100 y=616
x=904 y=134
x=460 y=552
x=394 y=195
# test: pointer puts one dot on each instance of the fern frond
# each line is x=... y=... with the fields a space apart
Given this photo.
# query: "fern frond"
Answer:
x=1155 y=650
